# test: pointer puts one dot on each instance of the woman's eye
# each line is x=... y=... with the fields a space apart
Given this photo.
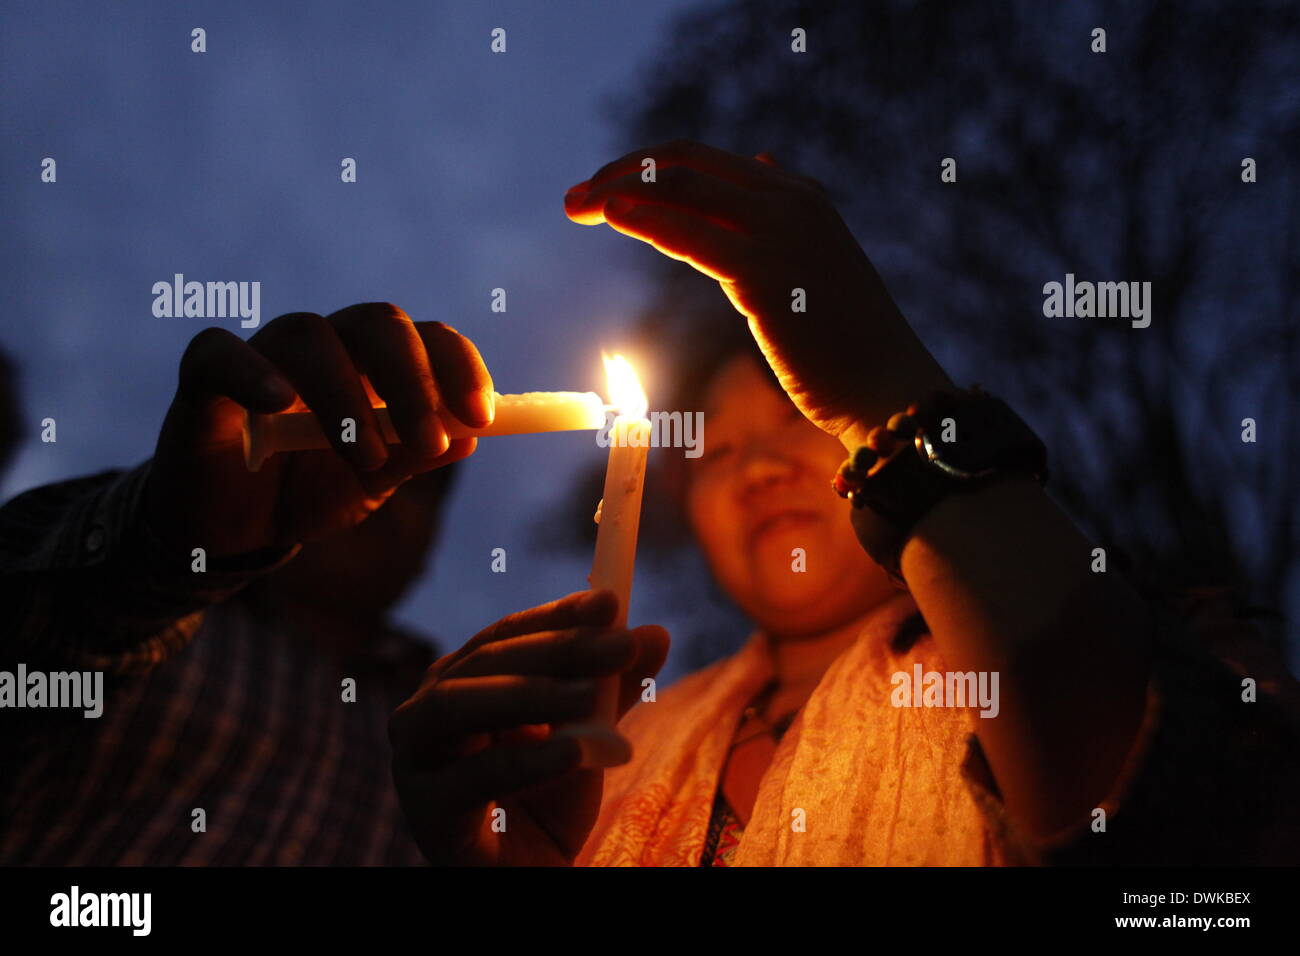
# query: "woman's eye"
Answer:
x=714 y=451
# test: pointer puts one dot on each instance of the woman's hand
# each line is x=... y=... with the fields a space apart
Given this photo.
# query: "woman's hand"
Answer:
x=850 y=360
x=477 y=738
x=201 y=494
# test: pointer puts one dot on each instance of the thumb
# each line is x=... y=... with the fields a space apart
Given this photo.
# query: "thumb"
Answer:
x=652 y=643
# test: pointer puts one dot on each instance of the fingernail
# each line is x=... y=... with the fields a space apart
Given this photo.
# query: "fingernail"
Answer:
x=481 y=407
x=441 y=440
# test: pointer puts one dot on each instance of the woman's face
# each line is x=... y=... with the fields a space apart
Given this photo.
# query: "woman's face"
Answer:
x=762 y=509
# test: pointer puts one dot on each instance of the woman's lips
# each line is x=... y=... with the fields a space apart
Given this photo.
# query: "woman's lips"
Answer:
x=780 y=520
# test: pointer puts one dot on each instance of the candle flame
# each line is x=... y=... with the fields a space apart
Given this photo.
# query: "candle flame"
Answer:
x=625 y=392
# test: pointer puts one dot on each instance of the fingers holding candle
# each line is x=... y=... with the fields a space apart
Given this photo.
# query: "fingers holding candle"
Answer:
x=390 y=350
x=218 y=365
x=462 y=378
x=568 y=653
x=307 y=351
x=581 y=608
x=601 y=745
x=587 y=612
x=578 y=652
x=537 y=667
x=428 y=379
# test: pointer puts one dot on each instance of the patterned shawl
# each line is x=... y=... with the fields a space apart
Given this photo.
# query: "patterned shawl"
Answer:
x=870 y=783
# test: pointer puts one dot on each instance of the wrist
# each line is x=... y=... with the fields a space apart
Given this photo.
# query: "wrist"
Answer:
x=889 y=392
x=947 y=445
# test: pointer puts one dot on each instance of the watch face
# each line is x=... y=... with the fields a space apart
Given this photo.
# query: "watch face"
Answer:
x=981 y=432
x=961 y=460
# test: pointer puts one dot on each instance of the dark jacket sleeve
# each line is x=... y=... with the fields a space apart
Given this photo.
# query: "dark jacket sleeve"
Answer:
x=84 y=584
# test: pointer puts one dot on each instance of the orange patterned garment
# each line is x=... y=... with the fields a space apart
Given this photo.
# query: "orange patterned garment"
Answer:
x=857 y=781
x=854 y=780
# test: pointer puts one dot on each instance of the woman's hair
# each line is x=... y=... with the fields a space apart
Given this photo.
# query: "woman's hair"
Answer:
x=703 y=358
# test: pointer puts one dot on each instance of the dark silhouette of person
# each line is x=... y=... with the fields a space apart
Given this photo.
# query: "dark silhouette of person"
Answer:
x=245 y=697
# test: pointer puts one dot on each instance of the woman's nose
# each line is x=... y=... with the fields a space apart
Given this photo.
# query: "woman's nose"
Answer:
x=764 y=466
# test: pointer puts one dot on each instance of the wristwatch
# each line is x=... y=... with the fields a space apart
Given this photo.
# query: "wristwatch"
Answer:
x=950 y=443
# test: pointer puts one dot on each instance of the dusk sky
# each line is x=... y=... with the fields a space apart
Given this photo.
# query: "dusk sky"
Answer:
x=224 y=166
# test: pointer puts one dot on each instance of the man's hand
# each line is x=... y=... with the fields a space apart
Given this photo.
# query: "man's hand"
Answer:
x=478 y=735
x=850 y=360
x=200 y=493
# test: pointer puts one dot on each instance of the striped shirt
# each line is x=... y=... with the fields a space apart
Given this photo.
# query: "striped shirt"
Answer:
x=224 y=739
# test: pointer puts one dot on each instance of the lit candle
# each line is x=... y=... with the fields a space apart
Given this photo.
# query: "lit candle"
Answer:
x=529 y=412
x=619 y=513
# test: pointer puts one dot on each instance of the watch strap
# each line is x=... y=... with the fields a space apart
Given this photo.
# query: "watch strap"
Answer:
x=896 y=483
